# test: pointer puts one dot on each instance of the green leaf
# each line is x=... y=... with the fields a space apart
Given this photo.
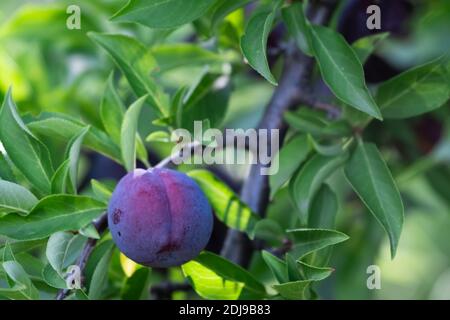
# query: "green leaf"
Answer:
x=341 y=70
x=310 y=272
x=162 y=13
x=289 y=158
x=101 y=191
x=6 y=172
x=90 y=231
x=136 y=287
x=227 y=206
x=324 y=208
x=15 y=198
x=254 y=42
x=112 y=113
x=112 y=110
x=371 y=179
x=314 y=123
x=310 y=240
x=53 y=213
x=100 y=276
x=224 y=8
x=24 y=288
x=309 y=178
x=128 y=134
x=269 y=231
x=298 y=26
x=415 y=91
x=73 y=155
x=27 y=153
x=292 y=269
x=295 y=290
x=276 y=266
x=136 y=64
x=61 y=126
x=214 y=277
x=60 y=180
x=171 y=56
x=365 y=46
x=52 y=278
x=61 y=248
x=158 y=136
x=100 y=251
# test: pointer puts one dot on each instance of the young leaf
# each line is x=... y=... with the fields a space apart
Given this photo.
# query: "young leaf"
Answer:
x=276 y=266
x=128 y=134
x=371 y=179
x=73 y=154
x=254 y=42
x=308 y=180
x=171 y=56
x=314 y=273
x=51 y=214
x=365 y=46
x=112 y=110
x=15 y=198
x=227 y=206
x=101 y=191
x=295 y=290
x=289 y=158
x=213 y=277
x=136 y=63
x=162 y=14
x=310 y=240
x=27 y=153
x=224 y=8
x=415 y=91
x=298 y=26
x=341 y=70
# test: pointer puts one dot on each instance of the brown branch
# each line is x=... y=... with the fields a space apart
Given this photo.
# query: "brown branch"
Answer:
x=101 y=225
x=295 y=82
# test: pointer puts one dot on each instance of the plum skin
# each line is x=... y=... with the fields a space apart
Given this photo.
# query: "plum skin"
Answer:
x=159 y=217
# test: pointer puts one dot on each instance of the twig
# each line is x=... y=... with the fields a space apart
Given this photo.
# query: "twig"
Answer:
x=295 y=81
x=311 y=101
x=100 y=224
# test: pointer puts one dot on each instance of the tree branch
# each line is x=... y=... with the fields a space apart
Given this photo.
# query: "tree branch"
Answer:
x=101 y=225
x=295 y=82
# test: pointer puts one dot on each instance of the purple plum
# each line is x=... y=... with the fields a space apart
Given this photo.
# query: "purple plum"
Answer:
x=159 y=217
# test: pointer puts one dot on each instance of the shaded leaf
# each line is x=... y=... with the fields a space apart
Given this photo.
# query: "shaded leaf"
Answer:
x=15 y=198
x=371 y=179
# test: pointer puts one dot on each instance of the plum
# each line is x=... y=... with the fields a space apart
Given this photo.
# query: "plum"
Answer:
x=159 y=217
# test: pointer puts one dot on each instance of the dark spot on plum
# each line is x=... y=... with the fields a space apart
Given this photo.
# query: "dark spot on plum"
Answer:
x=117 y=214
x=168 y=247
x=119 y=234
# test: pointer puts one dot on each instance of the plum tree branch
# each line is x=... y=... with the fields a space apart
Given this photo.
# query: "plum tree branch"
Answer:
x=295 y=82
x=101 y=224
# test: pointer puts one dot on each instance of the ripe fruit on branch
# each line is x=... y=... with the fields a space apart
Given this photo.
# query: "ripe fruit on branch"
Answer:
x=159 y=217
